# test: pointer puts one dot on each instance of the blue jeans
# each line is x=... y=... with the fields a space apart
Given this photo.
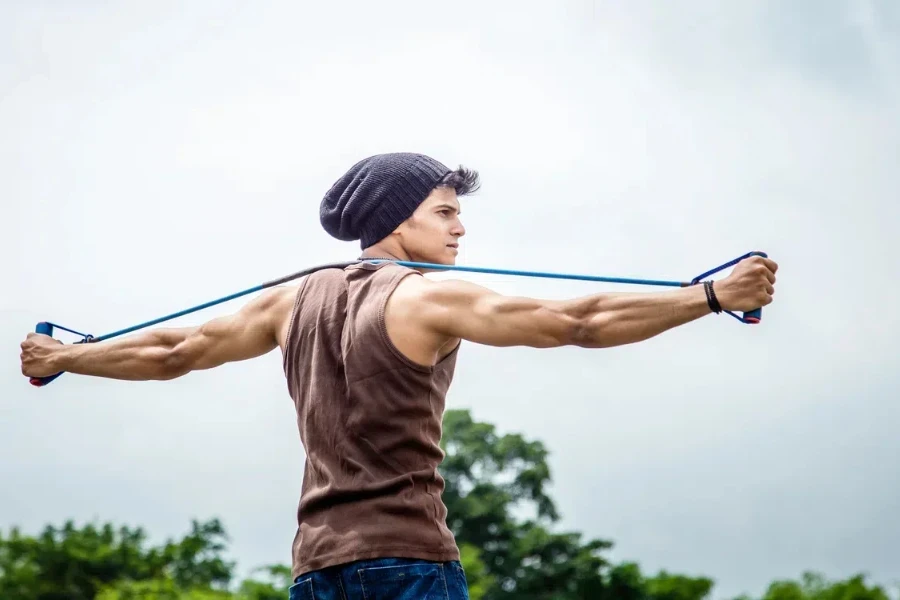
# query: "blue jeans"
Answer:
x=384 y=579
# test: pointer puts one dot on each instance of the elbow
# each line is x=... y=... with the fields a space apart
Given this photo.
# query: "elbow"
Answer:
x=572 y=323
x=572 y=328
x=587 y=331
x=608 y=330
x=594 y=322
x=579 y=333
x=173 y=363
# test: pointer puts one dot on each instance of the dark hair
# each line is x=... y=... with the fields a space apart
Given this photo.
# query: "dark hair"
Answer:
x=464 y=181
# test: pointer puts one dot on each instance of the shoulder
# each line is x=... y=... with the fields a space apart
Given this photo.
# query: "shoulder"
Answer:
x=277 y=295
x=274 y=303
x=425 y=298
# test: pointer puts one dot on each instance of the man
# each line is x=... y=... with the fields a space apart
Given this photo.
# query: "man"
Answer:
x=369 y=353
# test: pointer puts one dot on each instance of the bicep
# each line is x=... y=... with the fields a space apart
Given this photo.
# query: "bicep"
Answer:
x=477 y=314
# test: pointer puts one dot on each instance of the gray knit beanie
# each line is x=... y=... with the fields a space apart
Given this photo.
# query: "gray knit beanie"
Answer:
x=377 y=194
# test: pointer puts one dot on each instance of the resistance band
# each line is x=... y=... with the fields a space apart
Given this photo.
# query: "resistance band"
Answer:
x=750 y=317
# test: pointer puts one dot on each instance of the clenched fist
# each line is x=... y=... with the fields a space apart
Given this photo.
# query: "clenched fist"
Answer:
x=749 y=286
x=38 y=352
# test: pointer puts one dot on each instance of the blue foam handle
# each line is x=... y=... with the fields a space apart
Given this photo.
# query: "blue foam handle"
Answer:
x=754 y=316
x=43 y=328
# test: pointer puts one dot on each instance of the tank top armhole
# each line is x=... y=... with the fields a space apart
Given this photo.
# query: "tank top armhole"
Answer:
x=382 y=323
x=288 y=346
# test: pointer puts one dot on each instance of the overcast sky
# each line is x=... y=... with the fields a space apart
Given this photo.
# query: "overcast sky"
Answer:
x=161 y=155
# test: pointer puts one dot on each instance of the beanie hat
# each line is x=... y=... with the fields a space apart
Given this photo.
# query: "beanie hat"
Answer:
x=377 y=194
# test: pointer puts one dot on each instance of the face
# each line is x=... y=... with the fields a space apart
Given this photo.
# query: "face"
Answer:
x=432 y=233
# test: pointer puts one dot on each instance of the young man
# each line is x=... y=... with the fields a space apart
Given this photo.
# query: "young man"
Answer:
x=369 y=353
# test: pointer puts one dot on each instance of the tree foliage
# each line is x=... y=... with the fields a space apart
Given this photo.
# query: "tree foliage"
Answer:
x=491 y=478
x=814 y=586
x=116 y=563
x=499 y=509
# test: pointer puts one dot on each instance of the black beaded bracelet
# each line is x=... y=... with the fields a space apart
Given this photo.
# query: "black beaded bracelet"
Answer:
x=711 y=297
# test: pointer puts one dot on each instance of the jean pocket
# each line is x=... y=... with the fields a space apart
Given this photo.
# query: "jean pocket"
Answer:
x=302 y=590
x=417 y=581
x=460 y=586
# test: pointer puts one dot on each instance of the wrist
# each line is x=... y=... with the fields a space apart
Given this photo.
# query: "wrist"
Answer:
x=62 y=357
x=712 y=299
x=697 y=304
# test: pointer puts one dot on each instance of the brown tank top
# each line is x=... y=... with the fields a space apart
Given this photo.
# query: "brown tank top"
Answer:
x=370 y=422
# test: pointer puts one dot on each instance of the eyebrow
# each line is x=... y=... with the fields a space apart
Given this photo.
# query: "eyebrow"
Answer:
x=453 y=208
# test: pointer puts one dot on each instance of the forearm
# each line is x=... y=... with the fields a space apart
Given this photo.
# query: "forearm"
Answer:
x=607 y=320
x=139 y=357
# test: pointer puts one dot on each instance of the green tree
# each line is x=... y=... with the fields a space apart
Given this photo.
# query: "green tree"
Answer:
x=76 y=563
x=491 y=478
x=665 y=586
x=277 y=581
x=158 y=589
x=477 y=576
x=626 y=582
x=814 y=586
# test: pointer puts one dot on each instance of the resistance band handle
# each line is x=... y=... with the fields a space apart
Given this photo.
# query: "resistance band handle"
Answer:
x=754 y=316
x=43 y=328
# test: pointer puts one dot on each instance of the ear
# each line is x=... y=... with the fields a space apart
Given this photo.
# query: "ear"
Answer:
x=398 y=233
x=405 y=227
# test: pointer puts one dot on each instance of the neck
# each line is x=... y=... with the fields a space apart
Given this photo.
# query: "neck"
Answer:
x=380 y=250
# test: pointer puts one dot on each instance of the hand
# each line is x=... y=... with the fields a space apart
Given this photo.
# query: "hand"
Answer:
x=38 y=352
x=749 y=286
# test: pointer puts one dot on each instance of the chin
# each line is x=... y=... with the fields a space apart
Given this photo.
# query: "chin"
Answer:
x=443 y=256
x=444 y=260
x=450 y=256
x=447 y=257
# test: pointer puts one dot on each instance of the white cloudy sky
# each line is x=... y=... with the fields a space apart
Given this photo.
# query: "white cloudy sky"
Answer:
x=158 y=155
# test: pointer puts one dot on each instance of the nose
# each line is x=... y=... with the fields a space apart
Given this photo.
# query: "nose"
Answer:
x=458 y=229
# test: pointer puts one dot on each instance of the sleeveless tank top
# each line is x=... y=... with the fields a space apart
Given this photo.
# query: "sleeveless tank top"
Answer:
x=370 y=422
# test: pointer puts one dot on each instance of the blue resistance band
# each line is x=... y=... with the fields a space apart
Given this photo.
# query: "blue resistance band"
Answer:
x=750 y=317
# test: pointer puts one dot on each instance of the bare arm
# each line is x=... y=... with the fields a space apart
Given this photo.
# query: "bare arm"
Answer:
x=169 y=353
x=463 y=310
x=471 y=312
